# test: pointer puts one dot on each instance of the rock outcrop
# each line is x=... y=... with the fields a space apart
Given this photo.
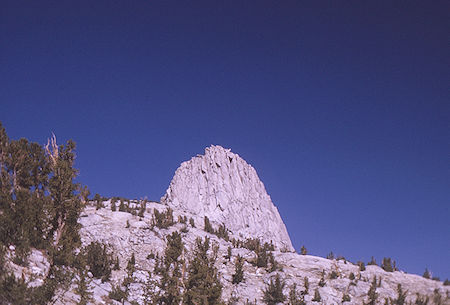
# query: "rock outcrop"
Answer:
x=226 y=189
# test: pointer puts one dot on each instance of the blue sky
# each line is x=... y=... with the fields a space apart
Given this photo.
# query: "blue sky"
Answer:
x=342 y=108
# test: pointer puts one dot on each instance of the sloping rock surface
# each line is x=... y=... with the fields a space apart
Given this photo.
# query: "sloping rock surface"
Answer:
x=226 y=189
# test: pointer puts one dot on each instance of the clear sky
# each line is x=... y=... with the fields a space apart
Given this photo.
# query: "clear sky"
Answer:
x=341 y=106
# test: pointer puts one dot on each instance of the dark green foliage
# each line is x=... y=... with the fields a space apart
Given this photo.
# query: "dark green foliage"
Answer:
x=98 y=201
x=82 y=288
x=346 y=298
x=372 y=293
x=163 y=220
x=228 y=256
x=421 y=300
x=116 y=264
x=362 y=266
x=446 y=282
x=437 y=297
x=306 y=285
x=117 y=293
x=207 y=226
x=387 y=264
x=238 y=275
x=39 y=208
x=274 y=266
x=436 y=278
x=294 y=297
x=192 y=222
x=273 y=294
x=122 y=207
x=330 y=255
x=333 y=275
x=222 y=232
x=168 y=267
x=142 y=209
x=261 y=257
x=351 y=276
x=174 y=248
x=131 y=263
x=317 y=297
x=322 y=279
x=252 y=244
x=401 y=298
x=303 y=250
x=202 y=285
x=99 y=260
x=427 y=274
x=113 y=204
x=372 y=262
x=14 y=291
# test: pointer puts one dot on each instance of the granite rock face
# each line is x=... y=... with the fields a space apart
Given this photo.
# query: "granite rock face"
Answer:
x=226 y=189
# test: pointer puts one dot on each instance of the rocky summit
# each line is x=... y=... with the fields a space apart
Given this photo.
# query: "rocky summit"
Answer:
x=226 y=189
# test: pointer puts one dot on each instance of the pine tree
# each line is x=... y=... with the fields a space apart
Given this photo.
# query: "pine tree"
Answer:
x=401 y=298
x=208 y=227
x=273 y=294
x=294 y=297
x=317 y=297
x=387 y=264
x=202 y=286
x=39 y=208
x=372 y=294
x=238 y=275
x=372 y=262
x=306 y=285
x=303 y=251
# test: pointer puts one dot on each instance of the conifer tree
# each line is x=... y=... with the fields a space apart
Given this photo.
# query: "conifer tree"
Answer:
x=401 y=298
x=238 y=275
x=39 y=208
x=317 y=297
x=303 y=251
x=294 y=297
x=372 y=294
x=387 y=264
x=202 y=286
x=273 y=294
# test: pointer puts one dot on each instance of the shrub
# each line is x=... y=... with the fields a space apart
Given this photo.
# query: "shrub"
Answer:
x=238 y=275
x=303 y=250
x=387 y=264
x=346 y=298
x=273 y=294
x=333 y=275
x=361 y=265
x=306 y=285
x=99 y=260
x=401 y=298
x=208 y=227
x=294 y=297
x=322 y=279
x=192 y=222
x=117 y=293
x=317 y=297
x=372 y=293
x=122 y=207
x=427 y=274
x=164 y=219
x=372 y=262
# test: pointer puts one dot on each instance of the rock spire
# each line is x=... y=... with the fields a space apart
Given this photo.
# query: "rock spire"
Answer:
x=226 y=189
